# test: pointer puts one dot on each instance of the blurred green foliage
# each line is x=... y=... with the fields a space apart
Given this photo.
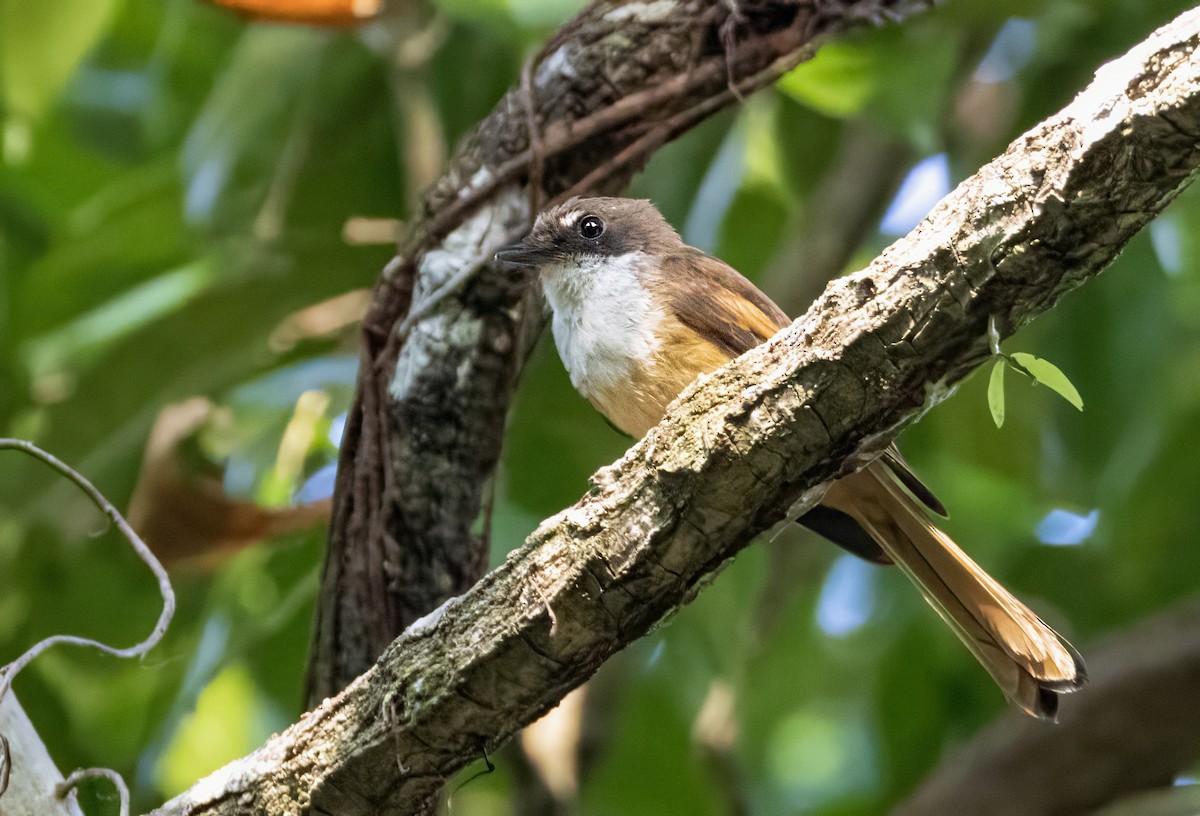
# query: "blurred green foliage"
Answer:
x=175 y=182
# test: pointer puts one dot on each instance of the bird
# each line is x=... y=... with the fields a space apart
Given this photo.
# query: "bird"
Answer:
x=637 y=315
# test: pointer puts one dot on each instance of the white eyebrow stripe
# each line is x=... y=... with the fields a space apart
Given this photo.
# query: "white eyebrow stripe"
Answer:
x=567 y=220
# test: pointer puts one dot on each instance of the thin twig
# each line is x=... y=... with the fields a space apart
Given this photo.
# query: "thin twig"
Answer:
x=728 y=32
x=10 y=670
x=561 y=136
x=671 y=127
x=71 y=782
x=537 y=161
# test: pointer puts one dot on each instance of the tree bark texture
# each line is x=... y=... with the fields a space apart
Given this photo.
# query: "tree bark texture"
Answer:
x=739 y=447
x=447 y=334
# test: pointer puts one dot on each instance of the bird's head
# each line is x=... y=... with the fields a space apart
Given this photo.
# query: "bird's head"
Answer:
x=583 y=231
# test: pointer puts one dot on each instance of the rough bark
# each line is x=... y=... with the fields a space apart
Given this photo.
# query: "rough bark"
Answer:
x=739 y=447
x=1135 y=729
x=423 y=437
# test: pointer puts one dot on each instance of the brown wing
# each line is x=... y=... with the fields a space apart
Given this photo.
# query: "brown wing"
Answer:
x=713 y=300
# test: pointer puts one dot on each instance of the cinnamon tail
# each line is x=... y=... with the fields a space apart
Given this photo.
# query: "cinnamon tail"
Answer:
x=1030 y=662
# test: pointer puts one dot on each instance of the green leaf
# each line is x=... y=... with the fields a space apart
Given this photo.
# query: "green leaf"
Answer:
x=229 y=720
x=1049 y=375
x=837 y=82
x=995 y=392
x=42 y=43
x=898 y=77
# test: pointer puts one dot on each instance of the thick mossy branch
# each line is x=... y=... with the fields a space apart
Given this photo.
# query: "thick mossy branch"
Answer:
x=739 y=447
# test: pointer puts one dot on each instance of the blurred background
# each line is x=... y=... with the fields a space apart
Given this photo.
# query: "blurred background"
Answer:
x=192 y=204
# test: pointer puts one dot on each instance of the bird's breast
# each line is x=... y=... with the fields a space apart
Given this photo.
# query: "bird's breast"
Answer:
x=623 y=352
x=607 y=328
x=605 y=322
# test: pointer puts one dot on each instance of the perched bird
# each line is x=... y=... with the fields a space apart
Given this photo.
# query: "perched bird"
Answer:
x=638 y=314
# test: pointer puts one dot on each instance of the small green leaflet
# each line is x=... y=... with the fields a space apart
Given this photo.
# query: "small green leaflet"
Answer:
x=1049 y=375
x=996 y=392
x=1039 y=370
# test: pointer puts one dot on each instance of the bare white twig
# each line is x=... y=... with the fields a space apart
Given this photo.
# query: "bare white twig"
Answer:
x=10 y=670
x=72 y=782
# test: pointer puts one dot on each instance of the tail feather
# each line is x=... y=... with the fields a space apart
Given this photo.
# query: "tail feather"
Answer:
x=1028 y=660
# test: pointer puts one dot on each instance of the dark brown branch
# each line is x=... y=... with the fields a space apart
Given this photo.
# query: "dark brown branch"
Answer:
x=739 y=447
x=1136 y=729
x=616 y=83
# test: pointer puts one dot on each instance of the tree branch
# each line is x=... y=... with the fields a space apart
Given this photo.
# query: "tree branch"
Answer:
x=435 y=380
x=1135 y=729
x=739 y=447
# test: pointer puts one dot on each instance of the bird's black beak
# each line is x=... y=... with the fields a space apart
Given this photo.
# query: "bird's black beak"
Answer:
x=522 y=255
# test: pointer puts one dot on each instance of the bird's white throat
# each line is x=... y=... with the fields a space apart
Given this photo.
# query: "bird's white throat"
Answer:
x=604 y=319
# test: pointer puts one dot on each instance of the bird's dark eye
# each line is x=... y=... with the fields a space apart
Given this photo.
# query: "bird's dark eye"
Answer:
x=591 y=227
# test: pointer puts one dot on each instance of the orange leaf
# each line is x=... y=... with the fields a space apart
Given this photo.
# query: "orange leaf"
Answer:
x=184 y=515
x=324 y=13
